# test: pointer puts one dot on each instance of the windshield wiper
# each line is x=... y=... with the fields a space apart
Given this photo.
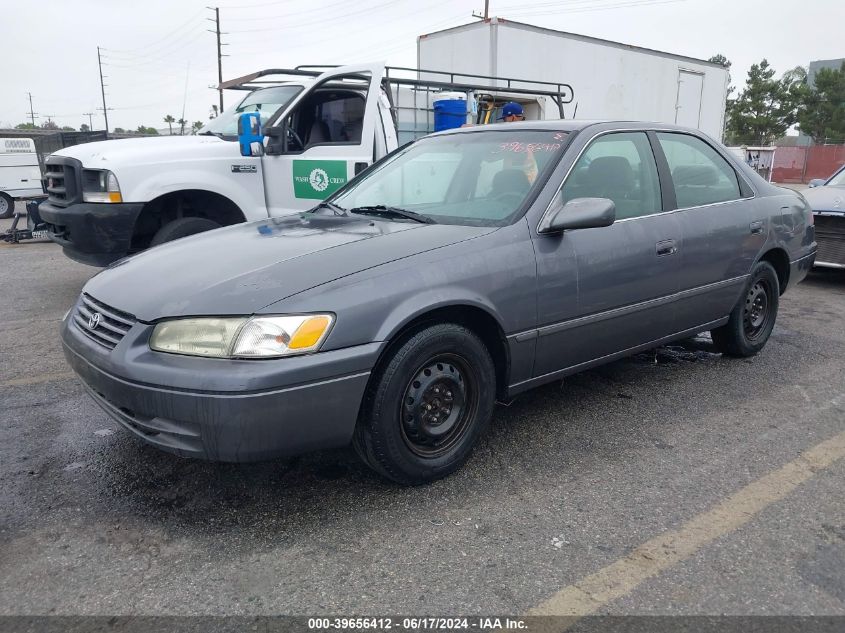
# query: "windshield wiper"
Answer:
x=210 y=133
x=331 y=206
x=380 y=209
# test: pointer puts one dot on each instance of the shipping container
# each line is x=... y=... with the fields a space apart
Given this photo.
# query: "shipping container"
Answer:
x=610 y=80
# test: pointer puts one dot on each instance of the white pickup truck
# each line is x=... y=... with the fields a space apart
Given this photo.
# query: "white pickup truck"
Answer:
x=113 y=198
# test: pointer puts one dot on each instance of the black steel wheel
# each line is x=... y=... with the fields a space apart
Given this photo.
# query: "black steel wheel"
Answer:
x=751 y=322
x=426 y=405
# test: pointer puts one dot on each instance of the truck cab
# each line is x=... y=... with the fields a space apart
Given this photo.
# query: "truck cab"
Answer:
x=320 y=127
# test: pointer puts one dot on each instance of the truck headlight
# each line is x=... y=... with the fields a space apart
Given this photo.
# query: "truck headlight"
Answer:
x=255 y=337
x=100 y=185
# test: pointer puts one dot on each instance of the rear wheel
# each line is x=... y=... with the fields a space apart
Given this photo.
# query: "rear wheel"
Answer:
x=753 y=318
x=427 y=406
x=7 y=206
x=182 y=227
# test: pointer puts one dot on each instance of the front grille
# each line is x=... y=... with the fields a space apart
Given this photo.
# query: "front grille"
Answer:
x=62 y=177
x=108 y=329
x=830 y=237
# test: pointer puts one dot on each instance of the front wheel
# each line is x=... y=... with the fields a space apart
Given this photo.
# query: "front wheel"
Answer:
x=182 y=227
x=427 y=406
x=753 y=318
x=7 y=206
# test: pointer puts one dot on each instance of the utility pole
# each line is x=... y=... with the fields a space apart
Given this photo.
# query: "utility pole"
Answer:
x=219 y=52
x=486 y=15
x=103 y=90
x=32 y=114
x=90 y=120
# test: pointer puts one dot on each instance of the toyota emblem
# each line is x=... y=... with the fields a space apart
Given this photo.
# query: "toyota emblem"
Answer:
x=94 y=321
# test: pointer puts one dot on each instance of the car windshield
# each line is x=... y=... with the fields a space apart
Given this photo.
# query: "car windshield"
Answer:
x=838 y=179
x=265 y=101
x=479 y=178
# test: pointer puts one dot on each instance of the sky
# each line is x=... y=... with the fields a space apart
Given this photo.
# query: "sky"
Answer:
x=159 y=57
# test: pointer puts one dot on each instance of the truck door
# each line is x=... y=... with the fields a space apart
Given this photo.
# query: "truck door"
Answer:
x=688 y=103
x=322 y=139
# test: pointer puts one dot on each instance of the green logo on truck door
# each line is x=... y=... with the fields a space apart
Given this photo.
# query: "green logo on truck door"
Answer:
x=318 y=178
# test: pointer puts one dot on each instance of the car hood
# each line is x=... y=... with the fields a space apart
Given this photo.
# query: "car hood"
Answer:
x=152 y=149
x=241 y=269
x=826 y=198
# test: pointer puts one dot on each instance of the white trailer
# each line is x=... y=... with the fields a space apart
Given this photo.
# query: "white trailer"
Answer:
x=610 y=80
x=20 y=173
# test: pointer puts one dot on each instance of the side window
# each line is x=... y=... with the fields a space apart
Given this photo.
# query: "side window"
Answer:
x=700 y=175
x=619 y=166
x=344 y=118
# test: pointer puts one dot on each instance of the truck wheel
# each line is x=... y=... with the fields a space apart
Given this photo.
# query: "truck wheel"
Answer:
x=426 y=407
x=752 y=320
x=7 y=206
x=183 y=227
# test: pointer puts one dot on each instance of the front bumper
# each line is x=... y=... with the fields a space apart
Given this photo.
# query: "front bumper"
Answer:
x=219 y=409
x=91 y=233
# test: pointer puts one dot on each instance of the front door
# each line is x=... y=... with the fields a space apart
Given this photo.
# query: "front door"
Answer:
x=330 y=138
x=606 y=290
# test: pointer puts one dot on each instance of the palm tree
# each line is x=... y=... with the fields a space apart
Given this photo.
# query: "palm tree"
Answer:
x=196 y=126
x=170 y=121
x=182 y=123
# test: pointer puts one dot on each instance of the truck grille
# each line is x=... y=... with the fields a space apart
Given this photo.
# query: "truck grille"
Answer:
x=108 y=329
x=830 y=237
x=62 y=177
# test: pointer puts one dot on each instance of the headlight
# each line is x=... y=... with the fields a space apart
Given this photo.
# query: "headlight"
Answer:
x=256 y=337
x=100 y=185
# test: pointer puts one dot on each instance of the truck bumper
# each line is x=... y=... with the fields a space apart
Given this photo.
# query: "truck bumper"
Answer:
x=219 y=409
x=93 y=234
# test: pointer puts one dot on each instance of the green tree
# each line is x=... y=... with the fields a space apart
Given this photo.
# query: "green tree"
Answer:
x=26 y=126
x=49 y=124
x=119 y=130
x=67 y=128
x=764 y=109
x=170 y=121
x=84 y=128
x=182 y=123
x=822 y=112
x=196 y=126
x=142 y=129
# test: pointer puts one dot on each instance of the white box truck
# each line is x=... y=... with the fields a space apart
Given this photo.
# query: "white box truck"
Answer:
x=20 y=173
x=319 y=129
x=611 y=80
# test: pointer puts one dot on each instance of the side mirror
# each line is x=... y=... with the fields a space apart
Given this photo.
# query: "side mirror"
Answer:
x=581 y=213
x=249 y=134
x=816 y=182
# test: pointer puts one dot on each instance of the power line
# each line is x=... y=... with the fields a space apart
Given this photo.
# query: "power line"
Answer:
x=160 y=39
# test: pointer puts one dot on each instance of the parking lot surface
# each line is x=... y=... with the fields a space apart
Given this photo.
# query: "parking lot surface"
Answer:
x=673 y=482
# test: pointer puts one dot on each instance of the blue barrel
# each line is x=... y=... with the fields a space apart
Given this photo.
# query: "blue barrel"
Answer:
x=449 y=112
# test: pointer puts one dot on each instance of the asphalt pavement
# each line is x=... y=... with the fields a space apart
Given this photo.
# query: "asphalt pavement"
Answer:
x=673 y=482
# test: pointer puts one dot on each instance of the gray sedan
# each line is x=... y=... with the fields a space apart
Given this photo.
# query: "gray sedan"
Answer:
x=463 y=269
x=827 y=197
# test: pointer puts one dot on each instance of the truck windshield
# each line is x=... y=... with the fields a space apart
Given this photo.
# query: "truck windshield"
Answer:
x=266 y=101
x=475 y=178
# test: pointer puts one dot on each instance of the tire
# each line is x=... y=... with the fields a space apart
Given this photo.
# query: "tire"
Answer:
x=7 y=206
x=753 y=318
x=183 y=227
x=444 y=366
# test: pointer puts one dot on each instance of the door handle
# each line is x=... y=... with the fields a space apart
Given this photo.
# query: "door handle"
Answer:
x=756 y=227
x=666 y=247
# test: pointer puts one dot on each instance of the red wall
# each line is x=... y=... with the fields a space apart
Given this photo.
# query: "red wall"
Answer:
x=802 y=164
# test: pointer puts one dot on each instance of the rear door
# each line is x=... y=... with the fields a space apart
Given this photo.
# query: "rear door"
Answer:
x=332 y=131
x=722 y=232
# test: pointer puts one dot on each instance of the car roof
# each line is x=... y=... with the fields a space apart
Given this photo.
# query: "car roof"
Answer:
x=566 y=125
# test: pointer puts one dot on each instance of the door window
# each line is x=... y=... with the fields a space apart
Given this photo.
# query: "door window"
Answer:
x=700 y=175
x=621 y=167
